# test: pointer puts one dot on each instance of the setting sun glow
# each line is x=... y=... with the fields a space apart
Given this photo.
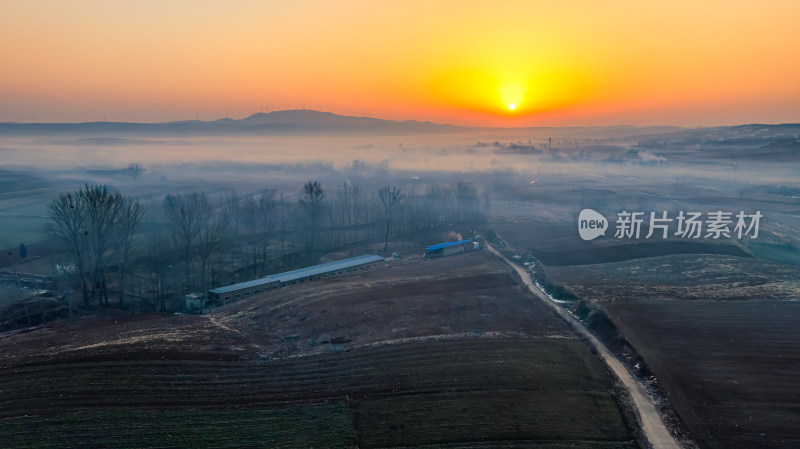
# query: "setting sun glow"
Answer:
x=615 y=62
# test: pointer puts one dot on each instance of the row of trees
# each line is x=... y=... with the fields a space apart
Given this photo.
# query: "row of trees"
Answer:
x=195 y=241
x=390 y=212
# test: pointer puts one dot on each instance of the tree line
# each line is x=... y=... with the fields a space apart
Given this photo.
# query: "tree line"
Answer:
x=192 y=241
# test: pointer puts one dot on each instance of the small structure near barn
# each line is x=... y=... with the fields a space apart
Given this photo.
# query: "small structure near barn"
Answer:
x=194 y=302
x=450 y=248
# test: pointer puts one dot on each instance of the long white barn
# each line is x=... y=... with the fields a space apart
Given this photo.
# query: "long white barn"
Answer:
x=274 y=281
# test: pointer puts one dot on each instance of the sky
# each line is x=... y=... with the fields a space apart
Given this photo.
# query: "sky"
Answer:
x=560 y=63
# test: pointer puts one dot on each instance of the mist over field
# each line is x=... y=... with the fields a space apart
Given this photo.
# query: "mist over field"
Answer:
x=288 y=137
x=281 y=150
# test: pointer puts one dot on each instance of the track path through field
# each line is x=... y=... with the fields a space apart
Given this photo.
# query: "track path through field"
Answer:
x=654 y=428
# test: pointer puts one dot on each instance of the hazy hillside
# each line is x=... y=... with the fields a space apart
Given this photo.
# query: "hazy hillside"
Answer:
x=308 y=122
x=278 y=122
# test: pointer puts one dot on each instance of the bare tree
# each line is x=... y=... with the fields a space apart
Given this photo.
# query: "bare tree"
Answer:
x=467 y=210
x=252 y=221
x=102 y=208
x=90 y=222
x=349 y=195
x=130 y=217
x=357 y=210
x=389 y=197
x=234 y=209
x=159 y=243
x=283 y=214
x=264 y=223
x=247 y=216
x=198 y=228
x=293 y=228
x=312 y=202
x=184 y=216
x=68 y=223
x=439 y=205
x=213 y=224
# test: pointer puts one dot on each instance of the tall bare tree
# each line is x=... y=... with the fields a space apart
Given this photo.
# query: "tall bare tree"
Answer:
x=349 y=195
x=213 y=223
x=159 y=248
x=183 y=213
x=102 y=208
x=389 y=198
x=234 y=209
x=68 y=224
x=283 y=216
x=439 y=205
x=247 y=215
x=263 y=223
x=198 y=227
x=311 y=200
x=467 y=210
x=130 y=217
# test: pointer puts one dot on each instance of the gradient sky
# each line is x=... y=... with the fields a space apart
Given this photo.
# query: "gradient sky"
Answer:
x=562 y=63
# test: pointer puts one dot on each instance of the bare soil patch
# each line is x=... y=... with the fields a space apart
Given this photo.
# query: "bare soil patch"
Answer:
x=681 y=277
x=729 y=368
x=717 y=333
x=629 y=251
x=470 y=295
x=494 y=392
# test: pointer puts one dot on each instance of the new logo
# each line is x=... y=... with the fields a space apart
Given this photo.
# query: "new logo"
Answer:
x=591 y=224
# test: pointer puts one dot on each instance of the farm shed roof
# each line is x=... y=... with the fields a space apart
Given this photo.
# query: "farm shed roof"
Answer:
x=326 y=268
x=445 y=245
x=242 y=285
x=301 y=273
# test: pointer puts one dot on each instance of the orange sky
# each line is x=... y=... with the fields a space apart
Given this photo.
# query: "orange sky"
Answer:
x=562 y=63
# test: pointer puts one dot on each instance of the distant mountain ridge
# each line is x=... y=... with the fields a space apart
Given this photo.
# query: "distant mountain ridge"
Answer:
x=307 y=116
x=310 y=122
x=277 y=122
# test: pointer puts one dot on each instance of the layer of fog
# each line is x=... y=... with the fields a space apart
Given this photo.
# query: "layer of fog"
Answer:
x=413 y=153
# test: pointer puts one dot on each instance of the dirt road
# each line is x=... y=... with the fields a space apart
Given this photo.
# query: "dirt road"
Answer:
x=654 y=428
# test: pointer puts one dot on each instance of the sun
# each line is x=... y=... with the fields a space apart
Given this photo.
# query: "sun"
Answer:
x=511 y=95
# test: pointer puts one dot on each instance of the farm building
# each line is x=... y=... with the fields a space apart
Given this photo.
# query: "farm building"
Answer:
x=450 y=248
x=241 y=290
x=193 y=301
x=223 y=295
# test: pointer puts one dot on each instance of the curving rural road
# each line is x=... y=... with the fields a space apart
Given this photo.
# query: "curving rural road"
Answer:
x=654 y=428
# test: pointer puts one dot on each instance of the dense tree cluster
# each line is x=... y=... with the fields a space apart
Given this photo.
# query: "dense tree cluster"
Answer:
x=193 y=241
x=97 y=226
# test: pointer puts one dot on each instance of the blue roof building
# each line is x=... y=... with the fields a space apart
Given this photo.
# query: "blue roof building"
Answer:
x=445 y=245
x=450 y=248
